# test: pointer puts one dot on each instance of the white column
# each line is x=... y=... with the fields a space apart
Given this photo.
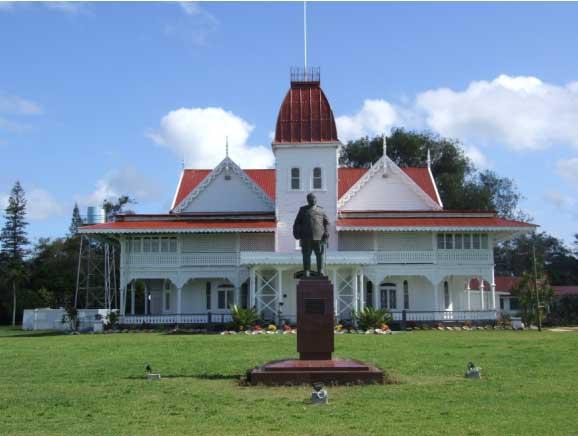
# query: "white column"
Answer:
x=179 y=302
x=335 y=292
x=361 y=292
x=252 y=285
x=481 y=282
x=132 y=298
x=355 y=291
x=436 y=303
x=376 y=294
x=468 y=291
x=279 y=294
x=493 y=286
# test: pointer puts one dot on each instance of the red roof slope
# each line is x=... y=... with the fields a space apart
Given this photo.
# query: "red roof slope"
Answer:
x=416 y=221
x=160 y=225
x=265 y=178
x=305 y=116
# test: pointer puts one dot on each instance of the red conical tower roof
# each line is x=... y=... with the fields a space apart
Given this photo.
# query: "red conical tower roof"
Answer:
x=305 y=115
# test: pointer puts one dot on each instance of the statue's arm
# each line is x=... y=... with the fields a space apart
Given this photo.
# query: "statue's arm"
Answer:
x=325 y=228
x=297 y=225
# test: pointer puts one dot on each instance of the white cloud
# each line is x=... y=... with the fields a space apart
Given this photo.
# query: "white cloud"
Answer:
x=123 y=181
x=518 y=112
x=190 y=8
x=15 y=105
x=477 y=157
x=374 y=118
x=40 y=204
x=72 y=8
x=568 y=169
x=194 y=26
x=198 y=135
x=563 y=203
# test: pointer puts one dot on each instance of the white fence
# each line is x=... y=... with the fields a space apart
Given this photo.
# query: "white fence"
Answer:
x=445 y=315
x=51 y=319
x=185 y=318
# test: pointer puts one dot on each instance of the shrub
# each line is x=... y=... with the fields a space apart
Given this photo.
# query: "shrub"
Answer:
x=371 y=318
x=504 y=320
x=243 y=318
x=113 y=319
x=71 y=318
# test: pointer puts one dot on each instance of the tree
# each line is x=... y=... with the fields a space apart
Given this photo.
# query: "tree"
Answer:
x=460 y=185
x=75 y=222
x=534 y=294
x=14 y=240
x=112 y=208
x=514 y=258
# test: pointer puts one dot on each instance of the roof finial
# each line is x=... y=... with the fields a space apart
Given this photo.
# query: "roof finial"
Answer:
x=227 y=170
x=428 y=159
x=305 y=37
x=226 y=146
x=384 y=145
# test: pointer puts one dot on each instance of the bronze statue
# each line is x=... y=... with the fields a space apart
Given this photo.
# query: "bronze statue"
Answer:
x=311 y=228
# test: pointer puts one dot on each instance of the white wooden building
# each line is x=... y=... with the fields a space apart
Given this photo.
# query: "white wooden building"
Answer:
x=228 y=237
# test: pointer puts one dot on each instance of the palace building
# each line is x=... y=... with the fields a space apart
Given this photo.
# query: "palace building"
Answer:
x=228 y=236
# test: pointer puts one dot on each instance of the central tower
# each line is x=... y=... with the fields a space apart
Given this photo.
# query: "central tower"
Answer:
x=306 y=155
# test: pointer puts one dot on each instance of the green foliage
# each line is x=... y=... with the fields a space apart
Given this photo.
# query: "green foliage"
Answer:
x=75 y=222
x=514 y=258
x=112 y=319
x=564 y=310
x=371 y=318
x=461 y=186
x=530 y=292
x=243 y=318
x=112 y=208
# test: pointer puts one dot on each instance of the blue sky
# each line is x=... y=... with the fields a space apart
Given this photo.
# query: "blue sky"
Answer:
x=98 y=99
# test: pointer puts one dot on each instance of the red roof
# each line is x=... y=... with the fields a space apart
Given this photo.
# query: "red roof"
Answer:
x=265 y=178
x=305 y=116
x=565 y=290
x=416 y=221
x=160 y=225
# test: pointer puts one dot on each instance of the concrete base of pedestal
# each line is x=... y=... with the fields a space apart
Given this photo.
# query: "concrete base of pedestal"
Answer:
x=330 y=372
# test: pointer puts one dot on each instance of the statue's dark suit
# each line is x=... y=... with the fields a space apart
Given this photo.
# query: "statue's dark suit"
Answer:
x=311 y=228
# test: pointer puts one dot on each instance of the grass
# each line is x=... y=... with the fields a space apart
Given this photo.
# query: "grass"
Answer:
x=94 y=384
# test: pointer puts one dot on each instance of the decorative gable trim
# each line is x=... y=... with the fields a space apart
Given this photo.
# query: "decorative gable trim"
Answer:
x=379 y=167
x=178 y=188
x=226 y=165
x=439 y=199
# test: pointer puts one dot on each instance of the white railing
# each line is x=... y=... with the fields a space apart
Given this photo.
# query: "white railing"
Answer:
x=405 y=256
x=464 y=256
x=184 y=318
x=185 y=259
x=445 y=315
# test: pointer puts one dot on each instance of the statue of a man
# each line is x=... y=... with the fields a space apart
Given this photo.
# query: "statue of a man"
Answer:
x=311 y=228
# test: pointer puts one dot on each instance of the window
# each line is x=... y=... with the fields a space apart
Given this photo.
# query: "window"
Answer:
x=317 y=178
x=446 y=295
x=369 y=294
x=167 y=301
x=476 y=241
x=146 y=245
x=449 y=241
x=405 y=295
x=208 y=295
x=164 y=245
x=484 y=241
x=135 y=245
x=467 y=241
x=388 y=295
x=458 y=241
x=155 y=245
x=295 y=179
x=245 y=295
x=441 y=240
x=226 y=296
x=173 y=245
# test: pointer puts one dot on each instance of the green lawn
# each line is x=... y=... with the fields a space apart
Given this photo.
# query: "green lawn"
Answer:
x=93 y=384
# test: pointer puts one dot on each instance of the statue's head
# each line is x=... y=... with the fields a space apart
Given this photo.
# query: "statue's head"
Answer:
x=311 y=199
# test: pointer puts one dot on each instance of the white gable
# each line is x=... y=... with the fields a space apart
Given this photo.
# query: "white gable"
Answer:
x=395 y=191
x=226 y=189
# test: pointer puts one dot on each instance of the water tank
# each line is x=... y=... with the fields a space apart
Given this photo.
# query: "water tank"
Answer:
x=94 y=215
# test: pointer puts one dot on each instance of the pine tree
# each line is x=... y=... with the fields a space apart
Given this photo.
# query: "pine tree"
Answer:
x=14 y=239
x=76 y=221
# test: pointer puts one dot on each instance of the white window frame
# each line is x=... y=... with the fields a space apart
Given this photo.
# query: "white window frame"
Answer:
x=323 y=186
x=290 y=185
x=229 y=296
